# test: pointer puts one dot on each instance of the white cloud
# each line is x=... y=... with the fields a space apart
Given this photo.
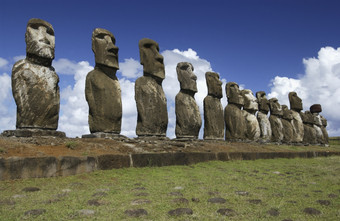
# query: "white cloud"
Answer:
x=73 y=108
x=19 y=57
x=130 y=68
x=7 y=107
x=318 y=85
x=3 y=62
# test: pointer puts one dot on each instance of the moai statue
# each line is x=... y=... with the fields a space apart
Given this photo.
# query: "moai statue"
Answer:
x=213 y=110
x=323 y=128
x=315 y=109
x=188 y=118
x=35 y=84
x=275 y=120
x=102 y=90
x=233 y=115
x=266 y=130
x=288 y=130
x=296 y=107
x=309 y=135
x=250 y=107
x=150 y=99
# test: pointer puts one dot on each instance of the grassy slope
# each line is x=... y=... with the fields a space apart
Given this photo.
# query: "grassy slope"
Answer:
x=287 y=185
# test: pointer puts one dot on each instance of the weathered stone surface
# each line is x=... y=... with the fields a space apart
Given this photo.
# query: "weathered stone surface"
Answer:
x=309 y=135
x=35 y=212
x=315 y=108
x=262 y=118
x=102 y=90
x=311 y=211
x=275 y=120
x=318 y=129
x=188 y=118
x=296 y=107
x=235 y=123
x=180 y=211
x=213 y=110
x=33 y=133
x=288 y=130
x=34 y=81
x=136 y=212
x=217 y=200
x=150 y=99
x=250 y=107
x=323 y=128
x=226 y=212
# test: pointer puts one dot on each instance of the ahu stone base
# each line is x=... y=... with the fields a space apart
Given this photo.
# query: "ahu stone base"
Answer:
x=33 y=133
x=105 y=135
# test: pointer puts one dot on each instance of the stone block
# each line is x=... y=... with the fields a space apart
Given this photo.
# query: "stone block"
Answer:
x=108 y=162
x=74 y=165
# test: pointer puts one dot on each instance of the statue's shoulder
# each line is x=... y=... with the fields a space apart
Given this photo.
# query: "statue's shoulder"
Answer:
x=19 y=66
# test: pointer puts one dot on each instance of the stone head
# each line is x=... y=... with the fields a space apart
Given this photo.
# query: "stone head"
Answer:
x=250 y=101
x=151 y=59
x=263 y=101
x=186 y=76
x=40 y=39
x=275 y=107
x=214 y=84
x=295 y=101
x=104 y=48
x=234 y=94
x=307 y=117
x=287 y=114
x=315 y=108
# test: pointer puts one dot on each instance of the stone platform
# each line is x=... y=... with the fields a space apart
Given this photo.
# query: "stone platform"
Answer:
x=105 y=135
x=50 y=166
x=33 y=133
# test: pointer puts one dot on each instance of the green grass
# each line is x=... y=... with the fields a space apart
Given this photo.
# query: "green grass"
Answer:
x=288 y=185
x=71 y=144
x=334 y=141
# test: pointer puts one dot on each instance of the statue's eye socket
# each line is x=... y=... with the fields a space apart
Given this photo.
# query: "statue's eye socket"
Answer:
x=34 y=26
x=100 y=36
x=50 y=31
x=147 y=45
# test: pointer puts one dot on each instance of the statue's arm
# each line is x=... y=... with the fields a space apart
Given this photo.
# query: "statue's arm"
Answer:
x=89 y=94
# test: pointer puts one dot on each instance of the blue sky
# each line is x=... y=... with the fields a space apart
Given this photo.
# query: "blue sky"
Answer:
x=260 y=44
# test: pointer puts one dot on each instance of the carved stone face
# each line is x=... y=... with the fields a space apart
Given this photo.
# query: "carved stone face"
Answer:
x=186 y=76
x=275 y=107
x=295 y=101
x=214 y=84
x=250 y=101
x=317 y=119
x=287 y=114
x=104 y=48
x=40 y=39
x=233 y=94
x=307 y=117
x=151 y=59
x=263 y=101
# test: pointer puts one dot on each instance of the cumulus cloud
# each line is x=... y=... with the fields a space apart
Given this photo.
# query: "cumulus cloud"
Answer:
x=130 y=68
x=318 y=85
x=7 y=107
x=3 y=62
x=73 y=108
